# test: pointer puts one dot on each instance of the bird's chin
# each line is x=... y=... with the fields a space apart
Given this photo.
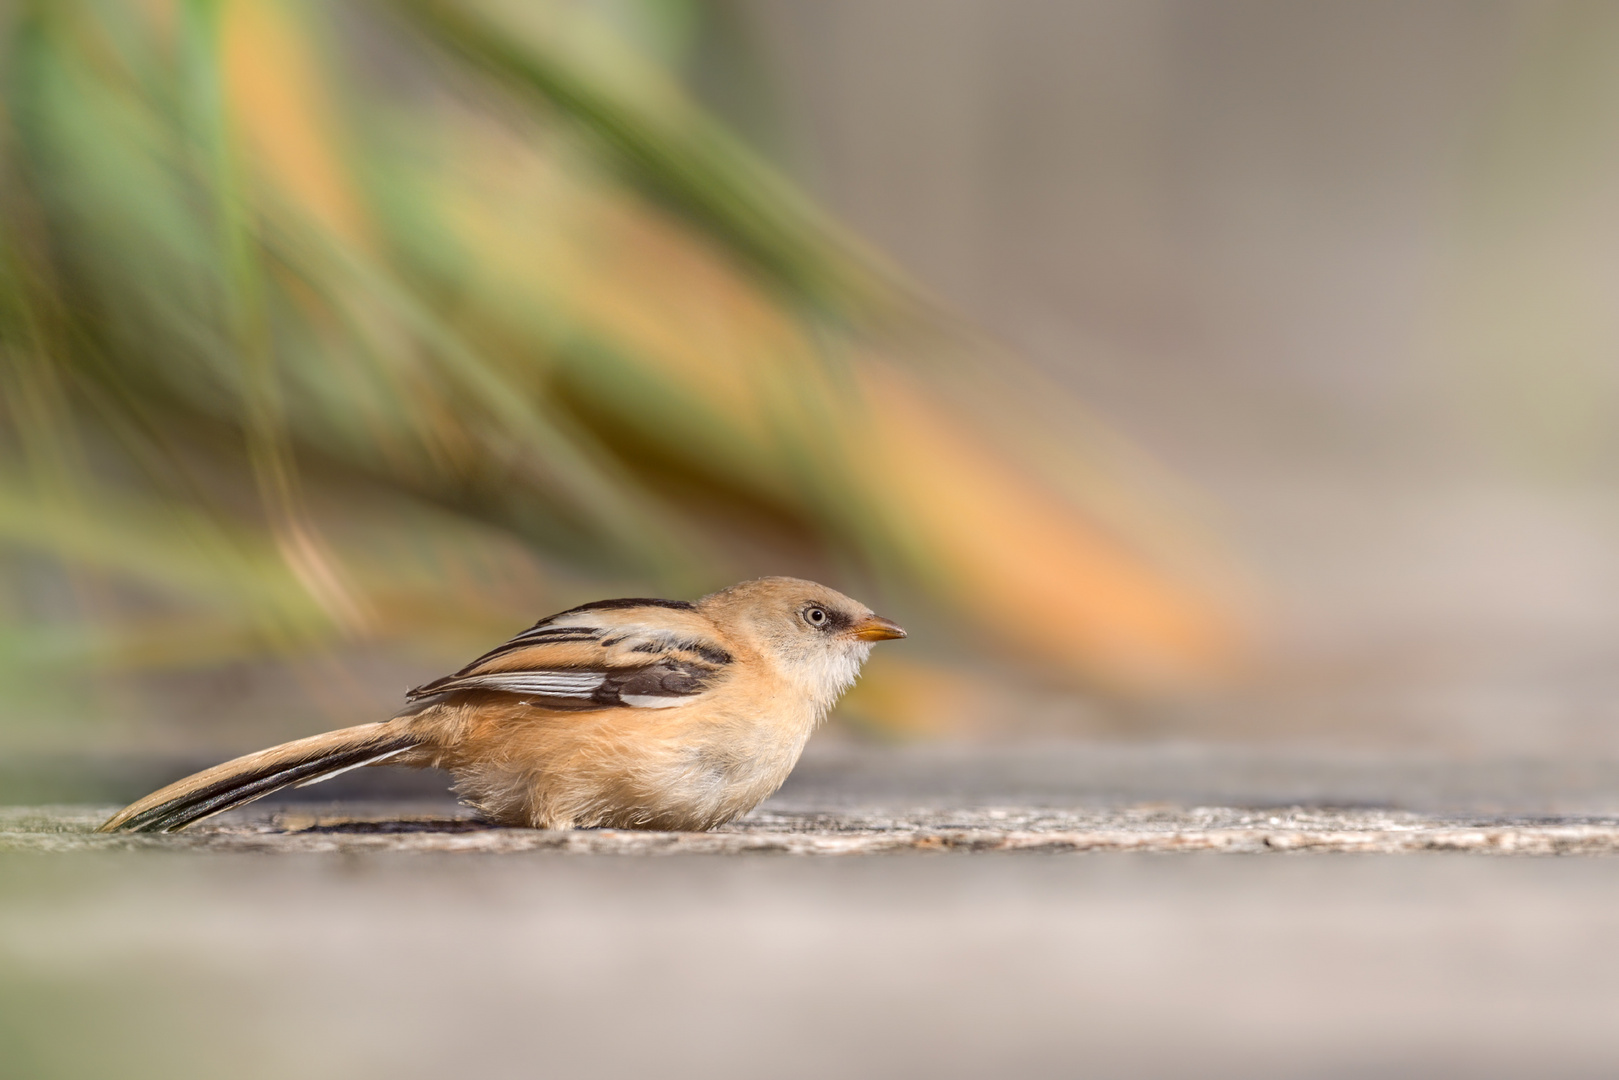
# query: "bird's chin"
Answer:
x=828 y=672
x=855 y=655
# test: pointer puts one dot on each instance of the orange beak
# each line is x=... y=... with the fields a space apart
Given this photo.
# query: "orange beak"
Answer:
x=877 y=628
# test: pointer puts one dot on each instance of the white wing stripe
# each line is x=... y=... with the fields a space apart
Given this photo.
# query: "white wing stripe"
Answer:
x=581 y=684
x=656 y=701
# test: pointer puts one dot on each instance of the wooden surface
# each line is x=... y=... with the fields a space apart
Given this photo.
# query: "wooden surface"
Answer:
x=303 y=829
x=389 y=935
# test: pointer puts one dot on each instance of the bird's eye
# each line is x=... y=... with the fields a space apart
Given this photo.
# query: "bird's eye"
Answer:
x=815 y=616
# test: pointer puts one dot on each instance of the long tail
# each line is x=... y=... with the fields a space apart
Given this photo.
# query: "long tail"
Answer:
x=235 y=783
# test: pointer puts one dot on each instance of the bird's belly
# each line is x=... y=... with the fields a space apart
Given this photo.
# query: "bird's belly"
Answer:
x=627 y=769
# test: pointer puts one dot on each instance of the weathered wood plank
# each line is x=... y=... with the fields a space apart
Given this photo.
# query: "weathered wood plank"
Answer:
x=852 y=832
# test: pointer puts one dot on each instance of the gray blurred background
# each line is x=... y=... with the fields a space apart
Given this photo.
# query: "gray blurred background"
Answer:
x=1352 y=269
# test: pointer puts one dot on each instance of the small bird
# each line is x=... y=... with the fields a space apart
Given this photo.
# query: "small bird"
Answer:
x=627 y=714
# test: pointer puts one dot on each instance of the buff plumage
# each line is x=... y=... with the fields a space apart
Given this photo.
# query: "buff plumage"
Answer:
x=637 y=713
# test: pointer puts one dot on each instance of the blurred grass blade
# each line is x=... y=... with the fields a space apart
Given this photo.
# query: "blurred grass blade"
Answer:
x=403 y=324
x=675 y=151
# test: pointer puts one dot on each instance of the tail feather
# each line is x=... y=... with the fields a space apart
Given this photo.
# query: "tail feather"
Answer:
x=238 y=782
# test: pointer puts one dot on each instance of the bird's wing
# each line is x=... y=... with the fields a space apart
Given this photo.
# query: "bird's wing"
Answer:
x=647 y=654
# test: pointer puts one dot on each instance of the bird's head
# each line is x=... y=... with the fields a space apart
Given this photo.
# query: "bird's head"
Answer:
x=817 y=637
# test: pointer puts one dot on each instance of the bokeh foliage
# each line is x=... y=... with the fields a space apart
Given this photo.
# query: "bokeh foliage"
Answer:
x=371 y=322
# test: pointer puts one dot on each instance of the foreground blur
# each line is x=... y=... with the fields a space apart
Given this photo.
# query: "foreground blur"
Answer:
x=930 y=966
